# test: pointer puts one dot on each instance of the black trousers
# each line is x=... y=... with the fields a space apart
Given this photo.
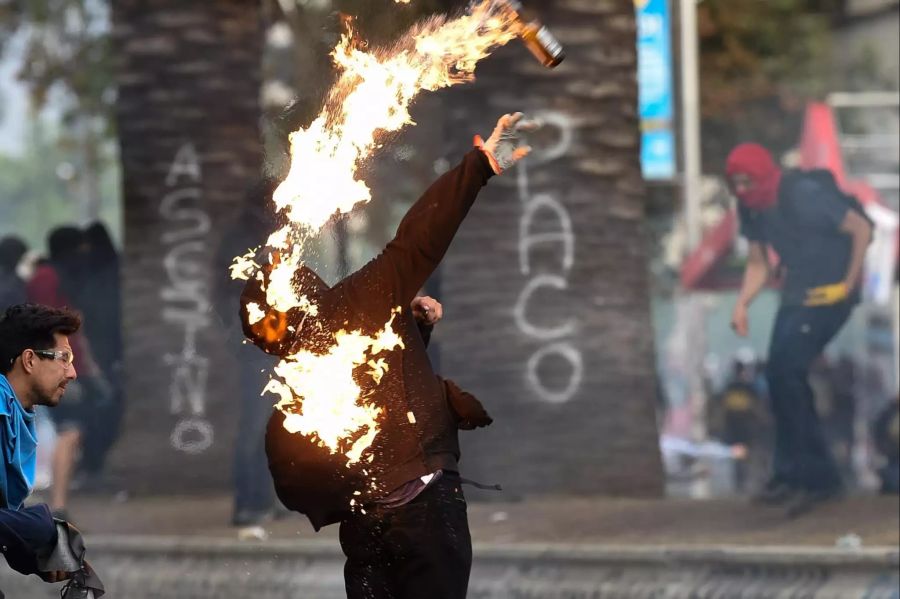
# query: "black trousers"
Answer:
x=802 y=458
x=421 y=550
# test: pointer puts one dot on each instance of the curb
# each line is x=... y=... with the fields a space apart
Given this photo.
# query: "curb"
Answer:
x=166 y=567
x=885 y=557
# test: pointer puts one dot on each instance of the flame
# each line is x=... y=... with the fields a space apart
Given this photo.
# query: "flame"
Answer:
x=317 y=391
x=372 y=98
x=320 y=397
x=254 y=313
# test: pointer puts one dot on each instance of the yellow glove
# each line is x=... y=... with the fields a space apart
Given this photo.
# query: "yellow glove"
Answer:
x=827 y=295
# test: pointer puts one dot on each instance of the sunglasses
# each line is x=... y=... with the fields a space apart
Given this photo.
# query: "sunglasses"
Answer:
x=64 y=356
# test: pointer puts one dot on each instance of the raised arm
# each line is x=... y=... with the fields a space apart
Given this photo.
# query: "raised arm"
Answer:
x=394 y=277
x=423 y=237
x=425 y=233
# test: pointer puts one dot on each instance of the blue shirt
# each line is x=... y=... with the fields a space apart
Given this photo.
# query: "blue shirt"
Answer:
x=18 y=440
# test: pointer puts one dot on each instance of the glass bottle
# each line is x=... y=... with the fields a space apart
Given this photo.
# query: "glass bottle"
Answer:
x=537 y=38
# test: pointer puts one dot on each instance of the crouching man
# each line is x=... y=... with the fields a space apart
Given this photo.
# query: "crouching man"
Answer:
x=35 y=368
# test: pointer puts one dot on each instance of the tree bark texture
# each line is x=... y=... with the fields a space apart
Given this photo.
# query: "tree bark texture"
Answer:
x=547 y=308
x=188 y=114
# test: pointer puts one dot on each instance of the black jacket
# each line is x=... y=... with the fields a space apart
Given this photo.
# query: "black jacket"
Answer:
x=307 y=478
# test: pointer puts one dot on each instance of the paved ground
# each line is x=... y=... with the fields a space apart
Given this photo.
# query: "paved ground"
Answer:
x=564 y=548
x=876 y=520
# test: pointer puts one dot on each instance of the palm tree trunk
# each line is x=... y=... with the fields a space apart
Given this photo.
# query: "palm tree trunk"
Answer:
x=188 y=121
x=546 y=287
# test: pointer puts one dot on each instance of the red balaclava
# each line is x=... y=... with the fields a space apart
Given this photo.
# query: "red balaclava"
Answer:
x=756 y=162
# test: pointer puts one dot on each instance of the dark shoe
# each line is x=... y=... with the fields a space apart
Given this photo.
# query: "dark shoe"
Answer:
x=806 y=501
x=774 y=494
x=246 y=518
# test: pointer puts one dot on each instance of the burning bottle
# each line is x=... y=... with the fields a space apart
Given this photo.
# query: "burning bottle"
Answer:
x=537 y=38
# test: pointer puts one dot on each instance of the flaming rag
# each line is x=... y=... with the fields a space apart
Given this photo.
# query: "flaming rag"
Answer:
x=418 y=436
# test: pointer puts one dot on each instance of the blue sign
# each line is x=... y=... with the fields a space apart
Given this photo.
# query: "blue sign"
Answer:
x=658 y=154
x=654 y=49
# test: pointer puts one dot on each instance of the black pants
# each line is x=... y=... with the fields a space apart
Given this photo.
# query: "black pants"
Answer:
x=802 y=458
x=416 y=551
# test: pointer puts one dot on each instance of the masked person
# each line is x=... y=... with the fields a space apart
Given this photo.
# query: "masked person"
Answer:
x=408 y=537
x=820 y=235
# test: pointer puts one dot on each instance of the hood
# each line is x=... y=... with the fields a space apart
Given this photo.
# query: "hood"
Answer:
x=279 y=333
x=755 y=162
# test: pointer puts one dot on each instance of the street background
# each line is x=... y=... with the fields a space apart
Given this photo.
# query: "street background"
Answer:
x=587 y=297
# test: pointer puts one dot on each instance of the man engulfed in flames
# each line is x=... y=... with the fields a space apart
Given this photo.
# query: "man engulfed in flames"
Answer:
x=402 y=512
x=364 y=433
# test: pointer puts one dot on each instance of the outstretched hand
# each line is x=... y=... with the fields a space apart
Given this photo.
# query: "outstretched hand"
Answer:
x=505 y=147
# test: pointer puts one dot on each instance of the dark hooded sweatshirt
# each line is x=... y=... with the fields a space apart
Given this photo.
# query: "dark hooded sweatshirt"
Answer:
x=418 y=431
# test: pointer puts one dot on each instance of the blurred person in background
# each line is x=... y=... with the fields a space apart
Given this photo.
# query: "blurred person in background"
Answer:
x=820 y=236
x=254 y=493
x=12 y=287
x=98 y=299
x=886 y=436
x=738 y=417
x=55 y=283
